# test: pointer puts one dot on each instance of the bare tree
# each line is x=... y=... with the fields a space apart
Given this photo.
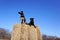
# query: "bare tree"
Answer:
x=4 y=34
x=45 y=37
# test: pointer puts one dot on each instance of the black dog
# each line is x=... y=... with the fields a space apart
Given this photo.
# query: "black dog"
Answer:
x=32 y=22
x=22 y=15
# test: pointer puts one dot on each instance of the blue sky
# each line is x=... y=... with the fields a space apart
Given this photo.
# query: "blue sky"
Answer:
x=45 y=12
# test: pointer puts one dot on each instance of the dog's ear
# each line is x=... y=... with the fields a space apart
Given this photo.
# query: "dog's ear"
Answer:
x=18 y=12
